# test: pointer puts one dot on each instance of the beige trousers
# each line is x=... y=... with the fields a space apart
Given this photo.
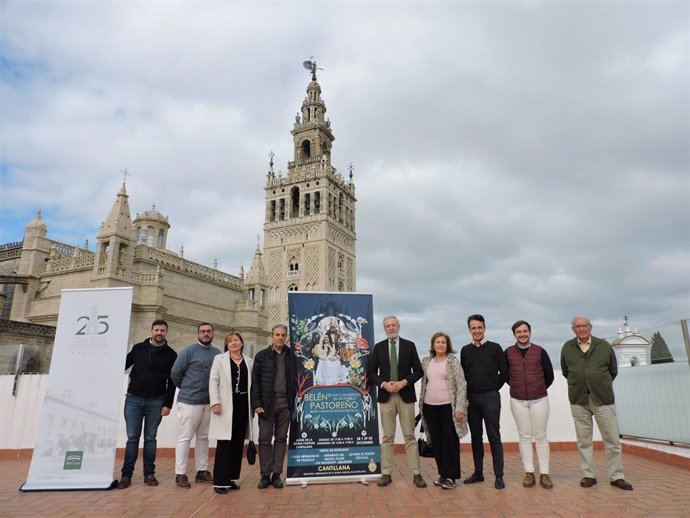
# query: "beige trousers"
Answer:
x=388 y=411
x=607 y=422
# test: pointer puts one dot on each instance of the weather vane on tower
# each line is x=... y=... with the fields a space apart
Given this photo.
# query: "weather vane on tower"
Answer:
x=311 y=65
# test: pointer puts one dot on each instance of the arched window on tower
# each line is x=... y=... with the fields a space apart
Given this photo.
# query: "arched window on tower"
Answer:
x=306 y=149
x=292 y=287
x=340 y=207
x=293 y=268
x=272 y=211
x=317 y=203
x=307 y=204
x=282 y=208
x=149 y=236
x=294 y=202
x=140 y=235
x=161 y=235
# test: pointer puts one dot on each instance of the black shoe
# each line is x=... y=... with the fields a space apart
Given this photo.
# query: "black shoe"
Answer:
x=221 y=490
x=418 y=481
x=233 y=485
x=475 y=477
x=588 y=482
x=622 y=484
x=499 y=483
x=126 y=481
x=264 y=482
x=150 y=480
x=276 y=482
x=384 y=481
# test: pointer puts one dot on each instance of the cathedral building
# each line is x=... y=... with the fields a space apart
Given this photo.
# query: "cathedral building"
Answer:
x=309 y=244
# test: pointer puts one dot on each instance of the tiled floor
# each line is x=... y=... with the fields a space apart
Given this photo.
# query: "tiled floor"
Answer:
x=660 y=491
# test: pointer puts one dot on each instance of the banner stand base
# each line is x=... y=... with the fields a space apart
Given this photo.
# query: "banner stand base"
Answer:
x=25 y=489
x=306 y=481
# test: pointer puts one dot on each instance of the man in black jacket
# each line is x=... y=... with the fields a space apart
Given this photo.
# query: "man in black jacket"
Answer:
x=394 y=368
x=271 y=399
x=149 y=398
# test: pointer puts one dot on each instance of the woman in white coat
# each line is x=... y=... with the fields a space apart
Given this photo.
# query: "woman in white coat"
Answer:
x=229 y=388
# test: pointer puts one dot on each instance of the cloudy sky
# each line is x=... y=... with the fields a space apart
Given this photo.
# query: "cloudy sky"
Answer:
x=522 y=159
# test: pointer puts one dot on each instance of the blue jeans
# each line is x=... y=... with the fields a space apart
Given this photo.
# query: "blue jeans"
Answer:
x=141 y=412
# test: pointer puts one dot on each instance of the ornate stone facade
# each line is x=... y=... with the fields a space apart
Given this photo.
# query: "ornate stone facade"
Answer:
x=309 y=229
x=167 y=286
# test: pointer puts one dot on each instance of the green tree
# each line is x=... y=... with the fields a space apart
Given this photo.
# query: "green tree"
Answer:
x=660 y=350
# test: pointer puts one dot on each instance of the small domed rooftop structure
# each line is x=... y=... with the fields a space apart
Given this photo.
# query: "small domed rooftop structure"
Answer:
x=152 y=228
x=631 y=348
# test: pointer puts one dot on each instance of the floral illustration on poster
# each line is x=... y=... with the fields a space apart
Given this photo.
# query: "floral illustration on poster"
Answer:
x=334 y=428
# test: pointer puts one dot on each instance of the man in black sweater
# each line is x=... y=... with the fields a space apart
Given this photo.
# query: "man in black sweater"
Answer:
x=486 y=370
x=149 y=398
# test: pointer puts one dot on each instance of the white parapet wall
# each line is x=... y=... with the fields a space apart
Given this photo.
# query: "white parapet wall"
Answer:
x=20 y=415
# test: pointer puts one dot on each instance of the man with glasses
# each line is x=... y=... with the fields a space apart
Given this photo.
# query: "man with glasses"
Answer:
x=589 y=364
x=190 y=374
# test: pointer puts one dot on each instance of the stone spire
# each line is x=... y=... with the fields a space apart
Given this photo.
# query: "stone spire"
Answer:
x=119 y=222
x=257 y=274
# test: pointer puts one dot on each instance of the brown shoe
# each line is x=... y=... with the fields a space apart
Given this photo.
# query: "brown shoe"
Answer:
x=588 y=482
x=182 y=481
x=529 y=480
x=125 y=482
x=384 y=481
x=418 y=481
x=204 y=477
x=622 y=484
x=545 y=482
x=150 y=480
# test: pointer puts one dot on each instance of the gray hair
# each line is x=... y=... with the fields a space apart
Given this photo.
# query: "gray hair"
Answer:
x=391 y=317
x=580 y=317
x=283 y=326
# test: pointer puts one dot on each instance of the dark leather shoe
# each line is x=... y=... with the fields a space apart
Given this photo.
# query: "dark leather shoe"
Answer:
x=264 y=482
x=545 y=482
x=233 y=485
x=276 y=482
x=384 y=481
x=125 y=482
x=529 y=480
x=499 y=483
x=474 y=478
x=418 y=481
x=622 y=484
x=150 y=480
x=221 y=490
x=204 y=477
x=182 y=481
x=588 y=482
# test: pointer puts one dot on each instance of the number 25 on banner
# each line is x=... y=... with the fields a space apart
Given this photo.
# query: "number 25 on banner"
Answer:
x=93 y=326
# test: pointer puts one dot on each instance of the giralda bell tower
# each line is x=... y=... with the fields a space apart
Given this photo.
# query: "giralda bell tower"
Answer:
x=309 y=229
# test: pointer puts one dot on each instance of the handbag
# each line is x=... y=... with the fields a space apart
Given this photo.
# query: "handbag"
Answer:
x=425 y=448
x=251 y=453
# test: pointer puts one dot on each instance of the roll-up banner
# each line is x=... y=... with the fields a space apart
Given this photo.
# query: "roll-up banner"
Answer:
x=334 y=432
x=77 y=432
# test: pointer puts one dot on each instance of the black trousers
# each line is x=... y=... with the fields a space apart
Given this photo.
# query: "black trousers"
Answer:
x=228 y=461
x=486 y=407
x=444 y=439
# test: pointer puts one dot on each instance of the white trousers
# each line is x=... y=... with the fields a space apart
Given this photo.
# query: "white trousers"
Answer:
x=194 y=420
x=531 y=418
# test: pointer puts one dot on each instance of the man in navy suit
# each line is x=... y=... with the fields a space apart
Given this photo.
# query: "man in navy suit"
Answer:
x=394 y=367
